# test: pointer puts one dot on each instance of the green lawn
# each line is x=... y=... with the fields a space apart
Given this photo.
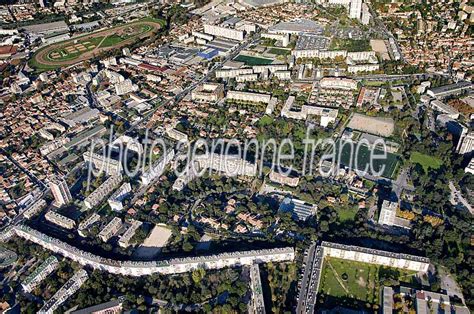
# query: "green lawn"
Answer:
x=348 y=159
x=425 y=161
x=346 y=213
x=355 y=280
x=361 y=284
x=111 y=40
x=278 y=51
x=249 y=60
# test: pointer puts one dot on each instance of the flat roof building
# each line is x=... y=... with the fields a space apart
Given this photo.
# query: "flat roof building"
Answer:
x=300 y=209
x=110 y=229
x=60 y=220
x=40 y=273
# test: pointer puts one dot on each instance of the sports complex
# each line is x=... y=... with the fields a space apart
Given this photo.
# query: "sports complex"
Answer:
x=90 y=45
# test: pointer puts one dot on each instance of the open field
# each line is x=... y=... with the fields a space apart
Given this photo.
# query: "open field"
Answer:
x=374 y=125
x=279 y=51
x=155 y=241
x=93 y=44
x=249 y=60
x=347 y=157
x=354 y=280
x=425 y=161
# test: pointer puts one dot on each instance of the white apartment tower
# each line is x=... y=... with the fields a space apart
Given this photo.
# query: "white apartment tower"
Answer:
x=355 y=9
x=60 y=191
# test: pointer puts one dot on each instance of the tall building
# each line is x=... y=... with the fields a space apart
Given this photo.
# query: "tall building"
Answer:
x=355 y=9
x=60 y=191
x=466 y=143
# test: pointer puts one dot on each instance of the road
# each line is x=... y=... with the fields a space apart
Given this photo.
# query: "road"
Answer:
x=458 y=199
x=309 y=283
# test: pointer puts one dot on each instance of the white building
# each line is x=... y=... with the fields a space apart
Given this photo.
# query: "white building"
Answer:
x=68 y=289
x=96 y=197
x=283 y=38
x=110 y=229
x=208 y=92
x=377 y=257
x=124 y=240
x=103 y=163
x=248 y=97
x=355 y=9
x=116 y=199
x=362 y=68
x=125 y=87
x=171 y=266
x=60 y=191
x=232 y=73
x=466 y=143
x=60 y=220
x=176 y=135
x=39 y=274
x=388 y=216
x=157 y=169
x=88 y=222
x=247 y=78
x=338 y=83
x=34 y=209
x=225 y=32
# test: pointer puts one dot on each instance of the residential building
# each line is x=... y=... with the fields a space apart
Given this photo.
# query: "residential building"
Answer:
x=466 y=143
x=87 y=223
x=124 y=240
x=110 y=229
x=248 y=97
x=169 y=266
x=116 y=199
x=34 y=209
x=40 y=273
x=68 y=289
x=388 y=216
x=60 y=191
x=111 y=307
x=257 y=303
x=60 y=220
x=103 y=163
x=225 y=32
x=283 y=179
x=208 y=92
x=96 y=197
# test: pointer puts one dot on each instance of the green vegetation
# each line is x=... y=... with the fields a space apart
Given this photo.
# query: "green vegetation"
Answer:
x=249 y=60
x=426 y=161
x=348 y=159
x=280 y=278
x=360 y=281
x=72 y=49
x=346 y=213
x=351 y=45
x=279 y=51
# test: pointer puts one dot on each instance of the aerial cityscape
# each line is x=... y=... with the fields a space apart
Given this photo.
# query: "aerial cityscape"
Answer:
x=237 y=156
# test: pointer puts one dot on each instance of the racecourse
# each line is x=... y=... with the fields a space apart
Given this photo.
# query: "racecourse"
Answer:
x=87 y=46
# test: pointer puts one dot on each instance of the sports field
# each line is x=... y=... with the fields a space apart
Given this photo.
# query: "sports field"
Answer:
x=355 y=280
x=347 y=157
x=425 y=161
x=93 y=44
x=249 y=60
